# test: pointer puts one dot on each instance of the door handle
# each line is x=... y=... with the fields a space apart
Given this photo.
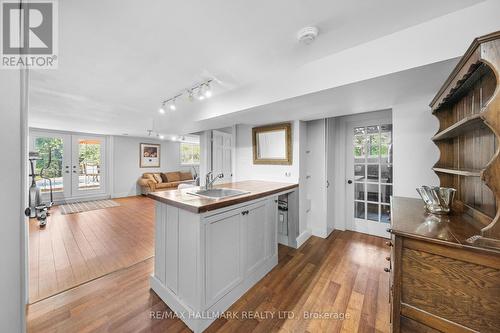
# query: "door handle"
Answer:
x=327 y=184
x=349 y=181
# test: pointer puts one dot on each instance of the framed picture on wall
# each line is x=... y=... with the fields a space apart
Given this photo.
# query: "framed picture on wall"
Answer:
x=149 y=155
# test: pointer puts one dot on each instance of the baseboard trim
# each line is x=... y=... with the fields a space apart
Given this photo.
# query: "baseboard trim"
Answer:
x=319 y=233
x=303 y=237
x=123 y=195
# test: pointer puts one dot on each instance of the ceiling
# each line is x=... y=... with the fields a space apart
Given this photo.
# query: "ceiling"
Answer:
x=119 y=59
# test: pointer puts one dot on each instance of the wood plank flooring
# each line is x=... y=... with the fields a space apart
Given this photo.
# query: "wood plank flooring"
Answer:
x=342 y=274
x=76 y=248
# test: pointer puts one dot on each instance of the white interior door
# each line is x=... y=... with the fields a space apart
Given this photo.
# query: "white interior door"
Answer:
x=87 y=170
x=222 y=155
x=369 y=174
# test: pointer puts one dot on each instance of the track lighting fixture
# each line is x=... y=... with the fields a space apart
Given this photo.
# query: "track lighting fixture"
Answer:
x=161 y=110
x=200 y=95
x=172 y=105
x=208 y=90
x=203 y=90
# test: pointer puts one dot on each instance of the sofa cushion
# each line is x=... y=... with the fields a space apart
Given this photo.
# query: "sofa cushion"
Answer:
x=149 y=176
x=158 y=178
x=173 y=176
x=186 y=176
x=163 y=185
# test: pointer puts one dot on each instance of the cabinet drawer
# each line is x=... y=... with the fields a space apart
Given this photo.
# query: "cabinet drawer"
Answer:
x=411 y=326
x=459 y=291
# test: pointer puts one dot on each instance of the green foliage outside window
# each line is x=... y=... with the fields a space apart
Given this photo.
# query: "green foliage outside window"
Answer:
x=190 y=153
x=43 y=146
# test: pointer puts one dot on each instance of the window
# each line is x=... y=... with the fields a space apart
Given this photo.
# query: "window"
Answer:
x=190 y=153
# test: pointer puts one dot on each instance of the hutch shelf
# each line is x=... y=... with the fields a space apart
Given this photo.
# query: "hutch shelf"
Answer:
x=445 y=269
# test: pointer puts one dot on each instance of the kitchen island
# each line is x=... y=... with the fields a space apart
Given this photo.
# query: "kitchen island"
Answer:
x=209 y=252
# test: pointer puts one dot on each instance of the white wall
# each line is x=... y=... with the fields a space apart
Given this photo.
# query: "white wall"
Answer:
x=246 y=170
x=414 y=152
x=11 y=235
x=125 y=163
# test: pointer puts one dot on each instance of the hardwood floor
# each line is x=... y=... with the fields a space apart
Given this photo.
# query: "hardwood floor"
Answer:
x=76 y=248
x=342 y=274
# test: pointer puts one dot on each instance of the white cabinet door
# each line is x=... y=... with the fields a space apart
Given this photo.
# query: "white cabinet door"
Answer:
x=224 y=257
x=255 y=221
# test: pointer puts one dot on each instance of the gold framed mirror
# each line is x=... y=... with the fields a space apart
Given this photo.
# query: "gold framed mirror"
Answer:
x=272 y=144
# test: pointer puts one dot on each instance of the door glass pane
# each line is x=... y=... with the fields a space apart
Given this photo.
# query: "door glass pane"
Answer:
x=385 y=193
x=359 y=172
x=359 y=210
x=386 y=173
x=373 y=144
x=359 y=143
x=385 y=213
x=386 y=143
x=372 y=192
x=49 y=150
x=372 y=173
x=359 y=191
x=372 y=212
x=89 y=159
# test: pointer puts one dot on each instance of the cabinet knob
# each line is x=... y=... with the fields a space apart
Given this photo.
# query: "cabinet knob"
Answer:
x=388 y=258
x=387 y=270
x=389 y=230
x=388 y=243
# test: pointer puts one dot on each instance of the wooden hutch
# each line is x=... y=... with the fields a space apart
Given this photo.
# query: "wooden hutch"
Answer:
x=445 y=269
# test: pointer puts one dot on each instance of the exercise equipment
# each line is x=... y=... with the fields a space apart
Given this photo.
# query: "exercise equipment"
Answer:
x=38 y=209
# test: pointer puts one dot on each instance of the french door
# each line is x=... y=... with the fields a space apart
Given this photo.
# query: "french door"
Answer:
x=369 y=171
x=221 y=155
x=74 y=165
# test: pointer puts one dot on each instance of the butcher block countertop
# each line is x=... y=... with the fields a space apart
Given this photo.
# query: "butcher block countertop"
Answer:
x=257 y=188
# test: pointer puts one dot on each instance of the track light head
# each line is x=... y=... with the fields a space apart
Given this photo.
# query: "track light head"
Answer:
x=208 y=90
x=161 y=110
x=172 y=105
x=200 y=96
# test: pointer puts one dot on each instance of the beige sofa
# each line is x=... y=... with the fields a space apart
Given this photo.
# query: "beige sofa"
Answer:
x=161 y=181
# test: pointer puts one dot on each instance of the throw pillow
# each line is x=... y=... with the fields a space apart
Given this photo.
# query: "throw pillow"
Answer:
x=164 y=177
x=149 y=176
x=157 y=177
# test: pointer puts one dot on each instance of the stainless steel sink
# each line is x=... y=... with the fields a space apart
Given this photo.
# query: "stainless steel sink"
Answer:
x=218 y=193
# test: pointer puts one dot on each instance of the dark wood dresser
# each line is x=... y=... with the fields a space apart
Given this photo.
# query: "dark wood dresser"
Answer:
x=438 y=281
x=445 y=269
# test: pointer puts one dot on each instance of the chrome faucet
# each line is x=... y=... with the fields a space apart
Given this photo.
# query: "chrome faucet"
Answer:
x=209 y=179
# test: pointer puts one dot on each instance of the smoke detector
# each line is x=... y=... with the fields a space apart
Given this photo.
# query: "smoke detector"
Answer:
x=307 y=35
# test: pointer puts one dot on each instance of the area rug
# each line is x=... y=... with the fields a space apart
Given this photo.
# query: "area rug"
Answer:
x=85 y=206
